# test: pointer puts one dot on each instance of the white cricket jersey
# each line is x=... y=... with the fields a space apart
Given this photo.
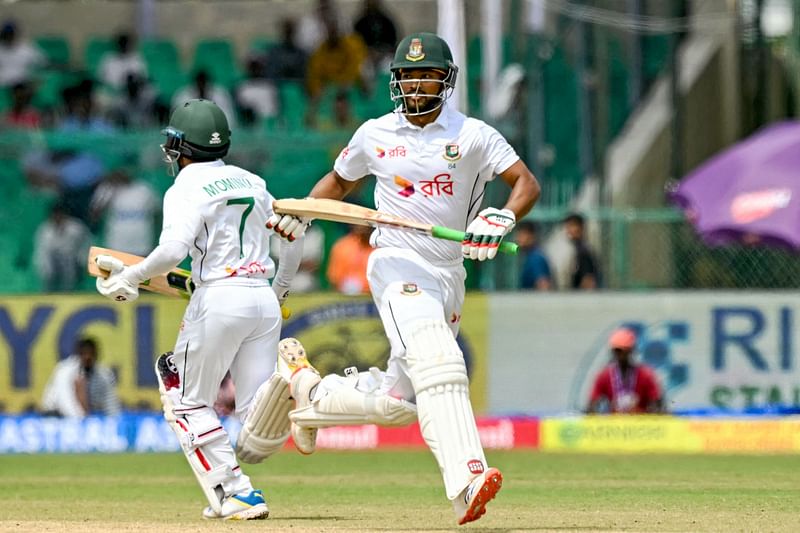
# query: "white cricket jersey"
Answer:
x=219 y=211
x=435 y=174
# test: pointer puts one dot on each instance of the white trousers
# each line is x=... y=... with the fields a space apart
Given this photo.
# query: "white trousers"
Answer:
x=445 y=283
x=231 y=326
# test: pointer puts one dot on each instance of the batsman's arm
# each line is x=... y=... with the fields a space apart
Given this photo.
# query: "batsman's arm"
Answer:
x=164 y=258
x=333 y=186
x=525 y=189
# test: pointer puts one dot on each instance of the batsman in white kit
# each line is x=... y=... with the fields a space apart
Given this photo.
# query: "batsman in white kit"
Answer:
x=432 y=164
x=216 y=213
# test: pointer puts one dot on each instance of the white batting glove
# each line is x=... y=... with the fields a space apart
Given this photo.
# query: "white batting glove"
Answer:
x=289 y=227
x=484 y=234
x=116 y=286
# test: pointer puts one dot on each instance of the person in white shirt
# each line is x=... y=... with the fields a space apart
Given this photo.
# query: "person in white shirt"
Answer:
x=116 y=66
x=203 y=87
x=18 y=58
x=129 y=209
x=216 y=213
x=61 y=244
x=432 y=163
x=80 y=386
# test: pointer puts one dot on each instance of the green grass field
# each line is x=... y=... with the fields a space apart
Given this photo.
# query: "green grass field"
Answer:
x=402 y=491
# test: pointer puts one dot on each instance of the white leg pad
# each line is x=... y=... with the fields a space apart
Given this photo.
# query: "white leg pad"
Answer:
x=348 y=406
x=266 y=427
x=439 y=376
x=195 y=429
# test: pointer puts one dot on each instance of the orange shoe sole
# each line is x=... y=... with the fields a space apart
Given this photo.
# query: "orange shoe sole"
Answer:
x=486 y=493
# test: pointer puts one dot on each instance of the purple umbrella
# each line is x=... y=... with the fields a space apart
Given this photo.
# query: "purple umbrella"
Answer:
x=752 y=189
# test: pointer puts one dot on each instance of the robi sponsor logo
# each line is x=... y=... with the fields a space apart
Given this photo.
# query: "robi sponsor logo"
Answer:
x=407 y=187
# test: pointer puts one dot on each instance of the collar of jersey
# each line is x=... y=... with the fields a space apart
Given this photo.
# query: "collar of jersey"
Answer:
x=442 y=121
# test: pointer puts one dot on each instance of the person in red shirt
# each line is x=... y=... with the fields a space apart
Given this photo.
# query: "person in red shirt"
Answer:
x=623 y=385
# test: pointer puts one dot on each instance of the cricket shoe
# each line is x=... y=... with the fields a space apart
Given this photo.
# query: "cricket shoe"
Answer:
x=470 y=504
x=303 y=380
x=240 y=507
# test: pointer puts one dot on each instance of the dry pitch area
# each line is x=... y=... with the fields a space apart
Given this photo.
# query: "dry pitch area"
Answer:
x=401 y=491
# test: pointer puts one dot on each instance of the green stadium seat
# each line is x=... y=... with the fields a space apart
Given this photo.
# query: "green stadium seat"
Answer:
x=217 y=58
x=55 y=48
x=48 y=87
x=294 y=104
x=261 y=44
x=96 y=48
x=159 y=53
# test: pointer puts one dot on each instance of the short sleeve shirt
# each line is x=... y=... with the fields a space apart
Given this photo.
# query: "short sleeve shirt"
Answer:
x=436 y=174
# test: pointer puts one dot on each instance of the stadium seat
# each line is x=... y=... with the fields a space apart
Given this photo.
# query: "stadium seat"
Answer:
x=294 y=104
x=96 y=48
x=163 y=66
x=48 y=87
x=261 y=44
x=218 y=59
x=55 y=48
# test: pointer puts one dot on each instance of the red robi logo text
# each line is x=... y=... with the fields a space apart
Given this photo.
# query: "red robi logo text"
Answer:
x=475 y=466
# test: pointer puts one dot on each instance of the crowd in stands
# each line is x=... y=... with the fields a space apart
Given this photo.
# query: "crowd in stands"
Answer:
x=314 y=76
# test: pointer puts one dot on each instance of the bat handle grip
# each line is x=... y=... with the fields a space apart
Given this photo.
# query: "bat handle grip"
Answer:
x=440 y=232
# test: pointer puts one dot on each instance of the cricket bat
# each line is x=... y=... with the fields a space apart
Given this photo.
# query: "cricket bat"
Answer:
x=337 y=211
x=176 y=282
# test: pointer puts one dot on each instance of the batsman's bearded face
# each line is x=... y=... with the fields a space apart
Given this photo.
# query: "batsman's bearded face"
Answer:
x=422 y=89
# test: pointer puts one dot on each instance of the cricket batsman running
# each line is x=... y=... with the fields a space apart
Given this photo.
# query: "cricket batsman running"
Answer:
x=216 y=213
x=432 y=163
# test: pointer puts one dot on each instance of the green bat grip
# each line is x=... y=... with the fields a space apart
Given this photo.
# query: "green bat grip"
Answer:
x=440 y=232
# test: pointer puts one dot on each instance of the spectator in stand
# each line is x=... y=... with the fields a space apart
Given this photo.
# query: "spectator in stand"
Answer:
x=379 y=33
x=204 y=87
x=337 y=62
x=347 y=265
x=80 y=386
x=535 y=271
x=130 y=209
x=61 y=244
x=342 y=118
x=18 y=58
x=22 y=114
x=585 y=271
x=624 y=386
x=312 y=26
x=256 y=96
x=116 y=66
x=136 y=106
x=286 y=61
x=80 y=115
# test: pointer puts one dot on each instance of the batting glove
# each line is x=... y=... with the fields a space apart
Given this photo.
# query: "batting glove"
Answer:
x=116 y=286
x=485 y=233
x=289 y=227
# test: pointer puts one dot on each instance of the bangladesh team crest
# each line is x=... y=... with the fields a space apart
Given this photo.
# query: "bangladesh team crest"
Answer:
x=452 y=152
x=415 y=52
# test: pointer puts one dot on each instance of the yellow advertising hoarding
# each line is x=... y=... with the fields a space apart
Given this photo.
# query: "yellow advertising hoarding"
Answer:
x=338 y=331
x=605 y=434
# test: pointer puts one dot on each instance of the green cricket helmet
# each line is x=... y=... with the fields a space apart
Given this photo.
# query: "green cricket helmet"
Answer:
x=421 y=50
x=198 y=129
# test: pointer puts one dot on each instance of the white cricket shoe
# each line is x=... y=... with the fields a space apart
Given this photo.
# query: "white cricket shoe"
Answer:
x=303 y=380
x=471 y=503
x=250 y=506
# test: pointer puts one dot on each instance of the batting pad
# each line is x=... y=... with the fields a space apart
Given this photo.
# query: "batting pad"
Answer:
x=266 y=427
x=348 y=406
x=198 y=431
x=439 y=376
